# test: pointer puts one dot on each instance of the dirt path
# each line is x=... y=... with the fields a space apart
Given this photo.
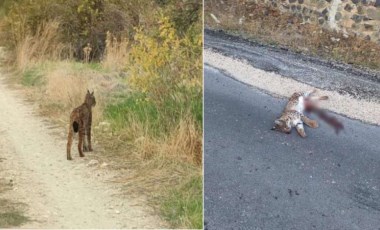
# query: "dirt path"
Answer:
x=59 y=193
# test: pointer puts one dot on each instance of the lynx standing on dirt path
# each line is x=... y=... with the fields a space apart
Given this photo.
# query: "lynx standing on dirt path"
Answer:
x=80 y=120
x=293 y=116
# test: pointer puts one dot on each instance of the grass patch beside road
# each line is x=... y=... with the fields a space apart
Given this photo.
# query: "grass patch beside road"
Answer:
x=11 y=214
x=272 y=27
x=186 y=203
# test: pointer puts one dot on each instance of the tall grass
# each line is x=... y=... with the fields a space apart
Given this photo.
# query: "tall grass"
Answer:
x=43 y=45
x=162 y=117
x=185 y=201
x=115 y=55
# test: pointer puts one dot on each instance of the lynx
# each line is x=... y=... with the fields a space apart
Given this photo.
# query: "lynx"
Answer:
x=80 y=121
x=293 y=114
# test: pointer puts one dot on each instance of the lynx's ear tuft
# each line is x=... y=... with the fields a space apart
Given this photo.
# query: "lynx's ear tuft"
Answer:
x=88 y=91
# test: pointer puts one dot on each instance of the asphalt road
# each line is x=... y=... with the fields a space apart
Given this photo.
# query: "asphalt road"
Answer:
x=256 y=178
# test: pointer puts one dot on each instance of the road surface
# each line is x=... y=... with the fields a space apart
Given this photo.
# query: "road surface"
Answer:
x=256 y=178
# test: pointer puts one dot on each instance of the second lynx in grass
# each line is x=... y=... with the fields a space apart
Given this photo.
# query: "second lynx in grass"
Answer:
x=80 y=121
x=293 y=116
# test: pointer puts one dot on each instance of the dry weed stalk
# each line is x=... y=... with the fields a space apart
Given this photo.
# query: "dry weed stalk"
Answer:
x=116 y=52
x=41 y=46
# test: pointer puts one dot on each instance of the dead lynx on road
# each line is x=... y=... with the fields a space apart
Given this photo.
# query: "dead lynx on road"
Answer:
x=80 y=121
x=293 y=116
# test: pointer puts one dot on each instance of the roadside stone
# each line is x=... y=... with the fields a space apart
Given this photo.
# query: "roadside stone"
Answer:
x=305 y=10
x=335 y=39
x=368 y=26
x=292 y=1
x=338 y=16
x=355 y=1
x=321 y=21
x=357 y=18
x=300 y=1
x=92 y=163
x=360 y=10
x=348 y=7
x=373 y=13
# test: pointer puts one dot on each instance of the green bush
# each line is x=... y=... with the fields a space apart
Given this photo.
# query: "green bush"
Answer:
x=159 y=119
x=31 y=77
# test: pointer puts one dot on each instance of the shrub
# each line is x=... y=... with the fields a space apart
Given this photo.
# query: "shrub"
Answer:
x=173 y=62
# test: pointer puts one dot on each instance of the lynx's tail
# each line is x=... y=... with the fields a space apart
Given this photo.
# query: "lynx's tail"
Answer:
x=75 y=126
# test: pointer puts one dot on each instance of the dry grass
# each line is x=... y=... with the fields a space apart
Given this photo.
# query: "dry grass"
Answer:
x=116 y=53
x=65 y=88
x=273 y=27
x=43 y=45
x=184 y=144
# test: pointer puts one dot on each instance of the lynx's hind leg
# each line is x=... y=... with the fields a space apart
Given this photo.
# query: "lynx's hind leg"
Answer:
x=88 y=134
x=80 y=142
x=309 y=122
x=69 y=143
x=85 y=143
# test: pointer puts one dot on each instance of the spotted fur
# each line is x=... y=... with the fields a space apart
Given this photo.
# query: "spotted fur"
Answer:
x=293 y=114
x=80 y=122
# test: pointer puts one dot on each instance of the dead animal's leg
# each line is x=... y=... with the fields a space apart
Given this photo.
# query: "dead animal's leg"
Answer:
x=316 y=98
x=300 y=130
x=309 y=122
x=69 y=143
x=80 y=142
